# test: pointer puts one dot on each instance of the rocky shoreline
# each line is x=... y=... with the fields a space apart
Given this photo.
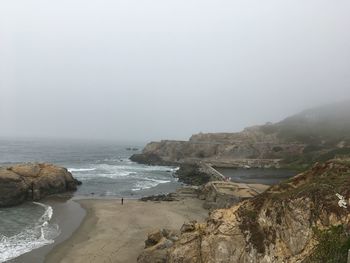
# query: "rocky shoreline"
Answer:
x=253 y=147
x=33 y=181
x=297 y=141
x=294 y=221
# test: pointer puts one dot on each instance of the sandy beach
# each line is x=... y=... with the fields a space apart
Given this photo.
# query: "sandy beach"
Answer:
x=112 y=232
x=68 y=214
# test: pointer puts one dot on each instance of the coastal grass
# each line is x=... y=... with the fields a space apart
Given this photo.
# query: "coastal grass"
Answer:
x=319 y=186
x=333 y=246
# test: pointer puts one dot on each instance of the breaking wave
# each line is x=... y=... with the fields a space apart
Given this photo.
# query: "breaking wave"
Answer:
x=32 y=237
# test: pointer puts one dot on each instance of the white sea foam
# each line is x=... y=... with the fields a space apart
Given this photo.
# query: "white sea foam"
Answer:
x=115 y=175
x=138 y=176
x=41 y=234
x=81 y=169
x=148 y=183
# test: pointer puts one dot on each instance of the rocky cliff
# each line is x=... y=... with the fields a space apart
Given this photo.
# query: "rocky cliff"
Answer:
x=221 y=194
x=304 y=219
x=33 y=181
x=222 y=149
x=313 y=135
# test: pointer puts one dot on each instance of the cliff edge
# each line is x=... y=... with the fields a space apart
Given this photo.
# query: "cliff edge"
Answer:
x=304 y=219
x=313 y=135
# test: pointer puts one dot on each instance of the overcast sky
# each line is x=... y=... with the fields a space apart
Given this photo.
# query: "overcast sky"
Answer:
x=155 y=69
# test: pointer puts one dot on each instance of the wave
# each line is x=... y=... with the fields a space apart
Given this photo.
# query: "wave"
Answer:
x=81 y=169
x=30 y=238
x=134 y=176
x=149 y=183
x=122 y=170
x=115 y=175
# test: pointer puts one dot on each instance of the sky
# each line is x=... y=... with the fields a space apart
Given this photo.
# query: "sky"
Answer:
x=158 y=69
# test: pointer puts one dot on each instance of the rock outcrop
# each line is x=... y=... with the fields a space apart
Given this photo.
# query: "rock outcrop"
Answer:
x=33 y=181
x=220 y=194
x=313 y=135
x=299 y=220
x=156 y=244
x=194 y=174
x=222 y=149
x=161 y=197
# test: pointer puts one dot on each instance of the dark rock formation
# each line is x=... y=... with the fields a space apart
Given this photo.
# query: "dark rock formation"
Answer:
x=192 y=174
x=304 y=219
x=33 y=182
x=149 y=159
x=162 y=197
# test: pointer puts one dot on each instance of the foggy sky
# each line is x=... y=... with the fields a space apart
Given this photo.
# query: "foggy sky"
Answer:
x=155 y=69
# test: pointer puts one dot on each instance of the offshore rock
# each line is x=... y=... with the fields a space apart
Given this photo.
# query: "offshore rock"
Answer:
x=33 y=181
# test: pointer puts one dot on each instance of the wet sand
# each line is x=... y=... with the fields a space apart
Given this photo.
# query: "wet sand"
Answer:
x=112 y=232
x=68 y=215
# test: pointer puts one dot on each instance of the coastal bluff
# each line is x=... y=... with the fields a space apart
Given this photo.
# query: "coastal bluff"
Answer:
x=33 y=181
x=314 y=135
x=252 y=147
x=304 y=219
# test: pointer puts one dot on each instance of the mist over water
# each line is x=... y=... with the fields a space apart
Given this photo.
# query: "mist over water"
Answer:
x=150 y=70
x=93 y=77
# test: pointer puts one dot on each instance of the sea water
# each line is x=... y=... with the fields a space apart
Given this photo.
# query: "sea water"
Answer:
x=25 y=228
x=104 y=169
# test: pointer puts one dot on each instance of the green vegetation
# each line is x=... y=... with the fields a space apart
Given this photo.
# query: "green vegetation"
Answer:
x=250 y=225
x=323 y=126
x=333 y=246
x=325 y=132
x=318 y=154
x=341 y=152
x=318 y=186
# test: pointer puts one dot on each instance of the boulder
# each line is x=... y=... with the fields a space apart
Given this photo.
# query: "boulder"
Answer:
x=13 y=189
x=188 y=227
x=162 y=197
x=193 y=174
x=156 y=246
x=33 y=181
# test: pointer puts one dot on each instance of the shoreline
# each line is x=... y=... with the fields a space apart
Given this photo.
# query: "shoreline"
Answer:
x=89 y=216
x=81 y=220
x=111 y=232
x=78 y=216
x=69 y=215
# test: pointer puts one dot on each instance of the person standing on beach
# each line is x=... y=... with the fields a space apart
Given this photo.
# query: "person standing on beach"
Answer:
x=32 y=191
x=122 y=200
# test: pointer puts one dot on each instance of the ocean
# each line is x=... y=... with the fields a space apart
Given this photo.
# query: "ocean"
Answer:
x=104 y=169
